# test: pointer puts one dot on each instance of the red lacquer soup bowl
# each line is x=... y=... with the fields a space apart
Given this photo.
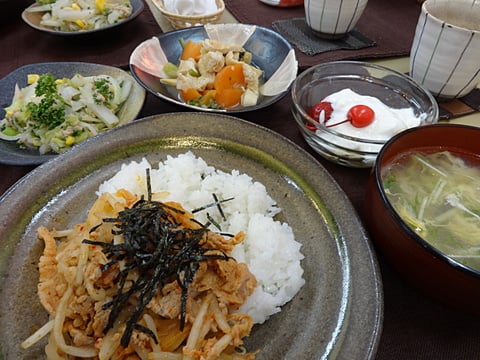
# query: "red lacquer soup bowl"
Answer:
x=442 y=267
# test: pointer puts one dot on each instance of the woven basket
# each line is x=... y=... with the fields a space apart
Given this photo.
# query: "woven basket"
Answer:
x=185 y=21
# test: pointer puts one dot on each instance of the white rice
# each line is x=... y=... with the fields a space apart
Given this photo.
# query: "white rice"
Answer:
x=270 y=249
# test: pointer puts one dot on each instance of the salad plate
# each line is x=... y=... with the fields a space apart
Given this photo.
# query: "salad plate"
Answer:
x=34 y=18
x=10 y=152
x=337 y=314
x=271 y=53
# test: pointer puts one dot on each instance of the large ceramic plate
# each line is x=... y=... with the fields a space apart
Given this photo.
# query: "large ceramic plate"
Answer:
x=336 y=315
x=33 y=19
x=270 y=52
x=10 y=152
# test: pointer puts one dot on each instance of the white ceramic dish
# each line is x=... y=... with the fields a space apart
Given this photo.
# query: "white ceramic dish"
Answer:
x=333 y=19
x=446 y=48
x=338 y=313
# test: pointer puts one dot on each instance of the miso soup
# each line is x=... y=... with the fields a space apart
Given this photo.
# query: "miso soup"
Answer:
x=438 y=196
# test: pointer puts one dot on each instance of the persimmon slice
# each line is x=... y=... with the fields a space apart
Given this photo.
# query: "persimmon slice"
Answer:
x=190 y=94
x=229 y=77
x=228 y=98
x=229 y=85
x=191 y=50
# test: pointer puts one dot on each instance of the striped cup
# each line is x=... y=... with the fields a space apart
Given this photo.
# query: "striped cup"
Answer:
x=333 y=18
x=445 y=54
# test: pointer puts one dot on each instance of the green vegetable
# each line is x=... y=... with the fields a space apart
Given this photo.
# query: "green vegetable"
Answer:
x=49 y=112
x=182 y=42
x=9 y=131
x=390 y=182
x=205 y=101
x=103 y=91
x=46 y=85
x=170 y=70
x=193 y=73
x=45 y=2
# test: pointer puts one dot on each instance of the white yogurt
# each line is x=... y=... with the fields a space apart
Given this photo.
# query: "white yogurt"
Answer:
x=386 y=123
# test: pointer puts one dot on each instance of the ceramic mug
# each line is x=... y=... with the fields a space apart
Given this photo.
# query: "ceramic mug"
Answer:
x=333 y=18
x=445 y=54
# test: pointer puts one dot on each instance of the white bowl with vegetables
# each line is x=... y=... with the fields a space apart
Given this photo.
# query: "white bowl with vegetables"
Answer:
x=216 y=67
x=47 y=108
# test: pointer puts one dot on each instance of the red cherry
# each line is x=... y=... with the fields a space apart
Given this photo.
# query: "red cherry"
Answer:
x=359 y=115
x=316 y=109
x=315 y=113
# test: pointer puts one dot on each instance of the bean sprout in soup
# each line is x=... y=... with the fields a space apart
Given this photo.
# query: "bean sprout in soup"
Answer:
x=437 y=194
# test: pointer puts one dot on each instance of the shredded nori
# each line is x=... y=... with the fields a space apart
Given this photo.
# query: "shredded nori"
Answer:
x=216 y=203
x=160 y=250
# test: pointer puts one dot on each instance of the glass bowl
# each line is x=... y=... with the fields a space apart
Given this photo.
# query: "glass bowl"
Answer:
x=392 y=88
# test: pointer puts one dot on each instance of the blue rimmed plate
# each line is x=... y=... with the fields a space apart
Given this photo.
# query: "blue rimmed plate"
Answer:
x=271 y=53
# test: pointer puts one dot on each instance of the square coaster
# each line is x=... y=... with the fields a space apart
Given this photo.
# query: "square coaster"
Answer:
x=298 y=33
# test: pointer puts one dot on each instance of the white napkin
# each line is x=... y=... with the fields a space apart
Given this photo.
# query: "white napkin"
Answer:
x=190 y=7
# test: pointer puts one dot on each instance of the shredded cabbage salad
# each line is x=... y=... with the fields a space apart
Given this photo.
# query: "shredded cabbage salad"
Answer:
x=80 y=15
x=53 y=114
